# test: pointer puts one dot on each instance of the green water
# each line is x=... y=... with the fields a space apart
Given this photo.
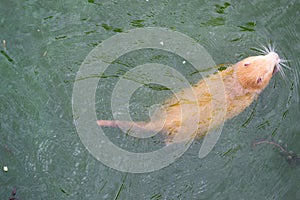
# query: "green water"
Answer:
x=45 y=44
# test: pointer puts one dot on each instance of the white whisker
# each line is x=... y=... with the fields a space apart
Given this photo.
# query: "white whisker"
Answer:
x=261 y=48
x=281 y=72
x=284 y=60
x=284 y=65
x=266 y=50
x=269 y=47
x=258 y=49
x=272 y=47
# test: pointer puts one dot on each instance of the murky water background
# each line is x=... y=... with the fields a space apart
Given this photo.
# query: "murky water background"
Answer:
x=46 y=42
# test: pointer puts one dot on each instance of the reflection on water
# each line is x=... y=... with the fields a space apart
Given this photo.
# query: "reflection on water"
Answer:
x=45 y=43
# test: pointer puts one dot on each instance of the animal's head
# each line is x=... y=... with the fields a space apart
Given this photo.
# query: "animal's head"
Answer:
x=255 y=72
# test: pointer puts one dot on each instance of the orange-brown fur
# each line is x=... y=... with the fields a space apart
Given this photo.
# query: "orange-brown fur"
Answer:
x=213 y=100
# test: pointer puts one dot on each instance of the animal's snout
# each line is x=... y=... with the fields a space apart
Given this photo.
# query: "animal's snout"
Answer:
x=274 y=56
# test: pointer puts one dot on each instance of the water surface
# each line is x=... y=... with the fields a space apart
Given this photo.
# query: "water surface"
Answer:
x=45 y=44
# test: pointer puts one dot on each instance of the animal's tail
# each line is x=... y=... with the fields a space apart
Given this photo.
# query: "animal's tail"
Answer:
x=149 y=129
x=137 y=129
x=117 y=123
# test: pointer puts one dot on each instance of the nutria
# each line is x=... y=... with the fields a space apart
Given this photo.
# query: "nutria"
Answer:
x=194 y=111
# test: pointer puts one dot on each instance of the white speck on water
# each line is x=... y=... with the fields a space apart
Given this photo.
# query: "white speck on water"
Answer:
x=5 y=168
x=161 y=43
x=4 y=44
x=38 y=30
x=183 y=62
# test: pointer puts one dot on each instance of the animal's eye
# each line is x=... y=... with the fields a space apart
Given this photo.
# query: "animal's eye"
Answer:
x=246 y=64
x=259 y=80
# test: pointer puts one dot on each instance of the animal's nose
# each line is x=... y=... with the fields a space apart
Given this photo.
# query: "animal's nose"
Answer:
x=274 y=55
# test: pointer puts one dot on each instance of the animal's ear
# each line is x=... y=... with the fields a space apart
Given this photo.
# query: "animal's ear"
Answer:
x=259 y=80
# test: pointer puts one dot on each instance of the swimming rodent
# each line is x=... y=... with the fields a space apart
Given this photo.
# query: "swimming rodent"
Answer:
x=194 y=111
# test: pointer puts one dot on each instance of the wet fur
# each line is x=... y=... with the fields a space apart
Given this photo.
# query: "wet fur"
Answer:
x=241 y=84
